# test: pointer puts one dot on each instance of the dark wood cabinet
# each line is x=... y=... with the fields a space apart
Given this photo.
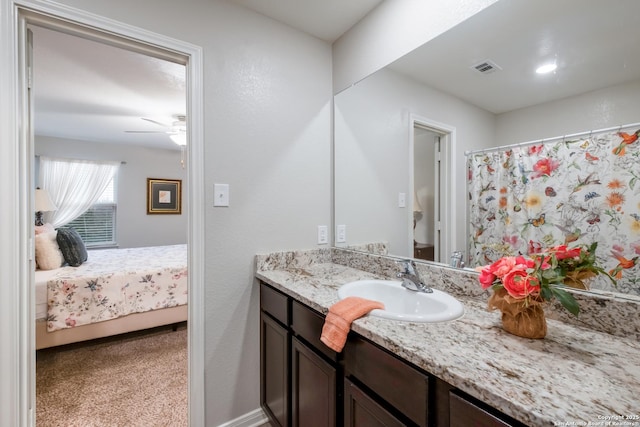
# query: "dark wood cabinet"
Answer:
x=307 y=324
x=274 y=371
x=360 y=410
x=423 y=251
x=465 y=411
x=301 y=379
x=305 y=384
x=392 y=379
x=313 y=388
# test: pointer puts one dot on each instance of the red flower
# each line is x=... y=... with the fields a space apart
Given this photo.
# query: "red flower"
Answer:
x=502 y=267
x=546 y=272
x=486 y=278
x=535 y=149
x=519 y=284
x=545 y=167
x=534 y=247
x=562 y=252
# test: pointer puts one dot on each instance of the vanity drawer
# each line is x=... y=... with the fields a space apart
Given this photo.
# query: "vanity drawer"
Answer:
x=463 y=412
x=275 y=303
x=402 y=386
x=307 y=324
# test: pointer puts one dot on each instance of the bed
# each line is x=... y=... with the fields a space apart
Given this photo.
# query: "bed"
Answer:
x=114 y=291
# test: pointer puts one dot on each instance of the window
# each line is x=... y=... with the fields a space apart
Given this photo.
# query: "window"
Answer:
x=97 y=225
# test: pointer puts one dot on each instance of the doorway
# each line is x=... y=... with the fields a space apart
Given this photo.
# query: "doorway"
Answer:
x=430 y=144
x=87 y=96
x=426 y=185
x=90 y=26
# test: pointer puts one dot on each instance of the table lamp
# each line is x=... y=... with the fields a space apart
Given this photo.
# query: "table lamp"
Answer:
x=43 y=204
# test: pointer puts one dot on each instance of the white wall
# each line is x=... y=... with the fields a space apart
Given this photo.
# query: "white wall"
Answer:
x=393 y=29
x=267 y=130
x=604 y=108
x=134 y=228
x=372 y=153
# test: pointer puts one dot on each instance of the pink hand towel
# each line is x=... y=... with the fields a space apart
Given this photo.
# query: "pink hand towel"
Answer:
x=338 y=321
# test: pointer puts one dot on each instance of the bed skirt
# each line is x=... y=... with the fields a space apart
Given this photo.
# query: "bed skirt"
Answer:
x=120 y=325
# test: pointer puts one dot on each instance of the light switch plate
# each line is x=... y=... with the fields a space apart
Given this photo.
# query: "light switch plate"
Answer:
x=220 y=194
x=402 y=200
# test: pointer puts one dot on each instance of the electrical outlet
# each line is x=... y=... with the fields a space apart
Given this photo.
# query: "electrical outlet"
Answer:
x=341 y=233
x=323 y=235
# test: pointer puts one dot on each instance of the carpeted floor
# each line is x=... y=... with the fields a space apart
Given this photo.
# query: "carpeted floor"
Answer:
x=138 y=379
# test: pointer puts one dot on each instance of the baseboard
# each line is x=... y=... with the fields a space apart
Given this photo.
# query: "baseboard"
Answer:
x=254 y=418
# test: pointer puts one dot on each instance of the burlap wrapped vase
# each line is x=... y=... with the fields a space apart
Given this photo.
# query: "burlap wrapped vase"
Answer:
x=519 y=317
x=576 y=279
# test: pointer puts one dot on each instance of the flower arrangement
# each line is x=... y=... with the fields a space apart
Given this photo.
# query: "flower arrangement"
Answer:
x=521 y=284
x=542 y=276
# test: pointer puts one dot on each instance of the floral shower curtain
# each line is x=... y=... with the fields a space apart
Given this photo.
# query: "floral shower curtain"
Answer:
x=576 y=191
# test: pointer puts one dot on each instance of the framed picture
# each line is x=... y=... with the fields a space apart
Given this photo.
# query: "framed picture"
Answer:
x=164 y=196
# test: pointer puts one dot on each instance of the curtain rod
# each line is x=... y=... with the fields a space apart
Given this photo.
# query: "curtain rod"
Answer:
x=543 y=140
x=122 y=162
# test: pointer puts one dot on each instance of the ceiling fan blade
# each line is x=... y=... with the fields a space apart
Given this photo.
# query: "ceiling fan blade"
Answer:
x=153 y=121
x=145 y=131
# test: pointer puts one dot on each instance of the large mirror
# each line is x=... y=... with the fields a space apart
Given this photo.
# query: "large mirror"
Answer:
x=470 y=89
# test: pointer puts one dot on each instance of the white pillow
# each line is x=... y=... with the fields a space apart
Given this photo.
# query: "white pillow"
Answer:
x=45 y=228
x=48 y=253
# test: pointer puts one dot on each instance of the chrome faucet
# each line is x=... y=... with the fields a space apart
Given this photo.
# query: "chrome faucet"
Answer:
x=456 y=260
x=410 y=277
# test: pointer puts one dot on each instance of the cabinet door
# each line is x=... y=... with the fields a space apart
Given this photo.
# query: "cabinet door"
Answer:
x=274 y=370
x=313 y=388
x=362 y=411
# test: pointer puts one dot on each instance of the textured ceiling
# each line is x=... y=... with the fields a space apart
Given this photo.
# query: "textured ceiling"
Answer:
x=96 y=92
x=89 y=91
x=589 y=40
x=325 y=19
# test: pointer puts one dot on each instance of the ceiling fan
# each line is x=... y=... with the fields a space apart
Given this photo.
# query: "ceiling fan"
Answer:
x=177 y=130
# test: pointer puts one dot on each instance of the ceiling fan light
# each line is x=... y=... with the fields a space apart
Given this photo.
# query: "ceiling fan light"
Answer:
x=546 y=68
x=179 y=138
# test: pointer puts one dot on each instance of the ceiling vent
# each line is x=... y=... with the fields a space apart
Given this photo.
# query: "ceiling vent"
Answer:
x=486 y=67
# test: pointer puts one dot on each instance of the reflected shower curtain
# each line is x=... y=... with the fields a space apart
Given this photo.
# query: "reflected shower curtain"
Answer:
x=574 y=191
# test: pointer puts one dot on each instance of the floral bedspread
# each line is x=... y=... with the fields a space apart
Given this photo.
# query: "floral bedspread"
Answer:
x=116 y=282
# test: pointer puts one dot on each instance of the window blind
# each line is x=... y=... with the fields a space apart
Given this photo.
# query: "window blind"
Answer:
x=97 y=225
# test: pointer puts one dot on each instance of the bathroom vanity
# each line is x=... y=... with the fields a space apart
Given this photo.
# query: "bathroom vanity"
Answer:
x=460 y=373
x=364 y=385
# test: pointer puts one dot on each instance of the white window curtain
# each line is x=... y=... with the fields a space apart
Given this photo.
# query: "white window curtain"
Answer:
x=74 y=185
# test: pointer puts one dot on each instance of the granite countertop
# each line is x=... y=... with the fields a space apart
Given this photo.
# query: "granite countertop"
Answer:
x=575 y=376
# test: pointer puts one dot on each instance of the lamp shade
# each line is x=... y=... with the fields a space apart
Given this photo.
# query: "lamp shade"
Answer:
x=416 y=203
x=43 y=201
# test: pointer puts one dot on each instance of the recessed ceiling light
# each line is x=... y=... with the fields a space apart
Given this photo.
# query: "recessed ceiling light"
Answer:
x=547 y=68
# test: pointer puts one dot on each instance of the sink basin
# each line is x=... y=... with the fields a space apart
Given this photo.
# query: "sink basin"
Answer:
x=404 y=304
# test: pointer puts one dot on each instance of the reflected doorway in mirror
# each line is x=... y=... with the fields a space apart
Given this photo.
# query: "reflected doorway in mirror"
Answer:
x=428 y=147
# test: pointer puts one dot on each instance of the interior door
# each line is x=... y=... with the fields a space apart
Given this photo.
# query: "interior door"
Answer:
x=427 y=209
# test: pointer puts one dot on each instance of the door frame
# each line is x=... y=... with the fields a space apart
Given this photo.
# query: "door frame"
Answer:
x=447 y=180
x=17 y=325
